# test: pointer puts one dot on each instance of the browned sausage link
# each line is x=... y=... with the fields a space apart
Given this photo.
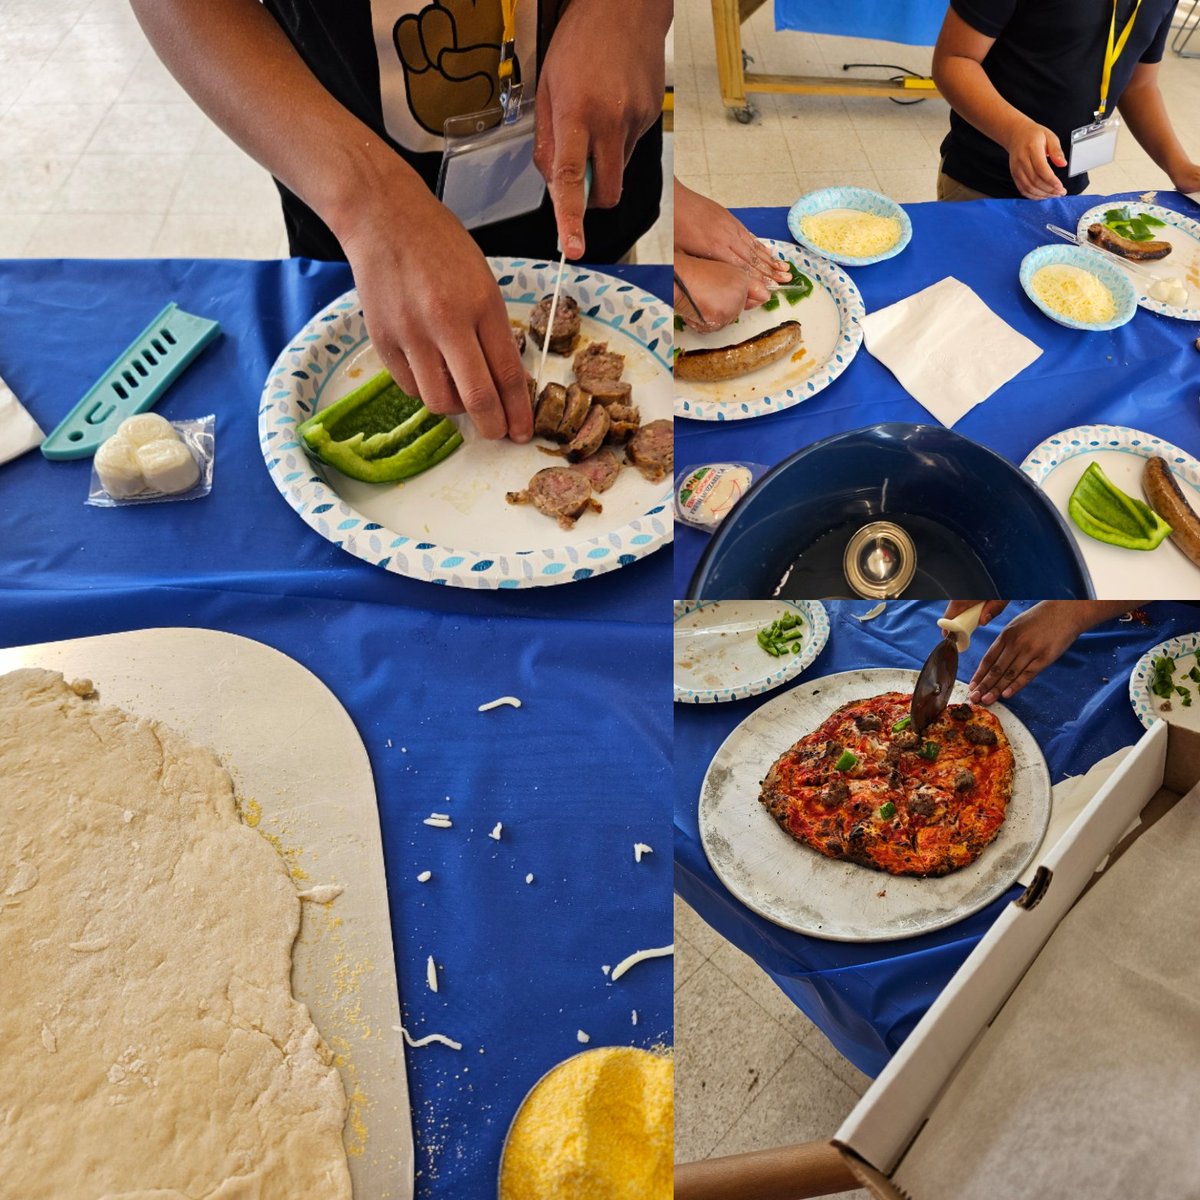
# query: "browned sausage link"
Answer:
x=1138 y=251
x=1165 y=496
x=728 y=362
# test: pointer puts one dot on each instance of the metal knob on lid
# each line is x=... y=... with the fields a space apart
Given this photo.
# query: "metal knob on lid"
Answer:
x=880 y=561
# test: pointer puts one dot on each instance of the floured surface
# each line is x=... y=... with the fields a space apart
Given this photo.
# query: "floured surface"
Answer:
x=1086 y=1083
x=152 y=1042
x=301 y=773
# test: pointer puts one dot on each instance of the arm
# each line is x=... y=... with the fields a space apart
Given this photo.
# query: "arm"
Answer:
x=706 y=229
x=431 y=305
x=1033 y=640
x=960 y=77
x=600 y=89
x=1141 y=105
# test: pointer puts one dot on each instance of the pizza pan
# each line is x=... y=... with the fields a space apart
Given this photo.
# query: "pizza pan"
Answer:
x=794 y=886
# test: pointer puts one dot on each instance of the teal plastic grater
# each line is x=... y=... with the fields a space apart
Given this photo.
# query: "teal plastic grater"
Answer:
x=148 y=366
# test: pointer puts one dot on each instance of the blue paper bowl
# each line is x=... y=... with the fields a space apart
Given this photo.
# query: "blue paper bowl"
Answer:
x=1012 y=527
x=1093 y=261
x=862 y=199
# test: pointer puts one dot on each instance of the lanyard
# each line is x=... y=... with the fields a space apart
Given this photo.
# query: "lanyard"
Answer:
x=1113 y=52
x=510 y=94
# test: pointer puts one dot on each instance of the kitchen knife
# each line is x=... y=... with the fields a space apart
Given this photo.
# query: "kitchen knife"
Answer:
x=936 y=681
x=562 y=262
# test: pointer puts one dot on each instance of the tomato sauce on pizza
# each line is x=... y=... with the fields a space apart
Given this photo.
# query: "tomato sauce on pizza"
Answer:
x=864 y=786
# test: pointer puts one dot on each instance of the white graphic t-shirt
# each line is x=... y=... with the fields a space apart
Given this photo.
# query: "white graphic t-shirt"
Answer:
x=439 y=60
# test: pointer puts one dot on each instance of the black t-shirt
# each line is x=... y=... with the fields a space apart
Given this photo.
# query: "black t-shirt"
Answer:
x=338 y=44
x=1047 y=62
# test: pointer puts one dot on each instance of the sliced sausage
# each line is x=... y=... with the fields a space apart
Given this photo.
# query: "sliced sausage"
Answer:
x=599 y=362
x=652 y=450
x=728 y=362
x=980 y=735
x=602 y=468
x=560 y=492
x=623 y=422
x=607 y=391
x=590 y=437
x=1166 y=497
x=574 y=414
x=549 y=411
x=567 y=322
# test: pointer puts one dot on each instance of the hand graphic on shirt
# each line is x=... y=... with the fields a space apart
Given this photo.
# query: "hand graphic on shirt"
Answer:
x=451 y=53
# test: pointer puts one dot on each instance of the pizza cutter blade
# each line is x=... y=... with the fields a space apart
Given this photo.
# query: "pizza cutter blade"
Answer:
x=934 y=685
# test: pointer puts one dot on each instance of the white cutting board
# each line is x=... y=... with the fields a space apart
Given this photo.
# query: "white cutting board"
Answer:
x=292 y=748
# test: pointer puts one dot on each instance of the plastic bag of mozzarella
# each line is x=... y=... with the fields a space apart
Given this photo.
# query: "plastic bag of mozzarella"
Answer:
x=150 y=459
x=705 y=495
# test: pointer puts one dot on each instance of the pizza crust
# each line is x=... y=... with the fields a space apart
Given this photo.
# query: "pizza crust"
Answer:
x=153 y=1047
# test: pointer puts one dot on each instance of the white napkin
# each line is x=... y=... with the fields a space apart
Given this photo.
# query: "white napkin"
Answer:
x=18 y=430
x=947 y=348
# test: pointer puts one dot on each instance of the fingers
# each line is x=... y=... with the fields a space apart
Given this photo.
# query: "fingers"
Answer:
x=995 y=662
x=1039 y=176
x=561 y=156
x=434 y=382
x=991 y=610
x=608 y=171
x=1054 y=150
x=473 y=381
x=508 y=374
x=757 y=293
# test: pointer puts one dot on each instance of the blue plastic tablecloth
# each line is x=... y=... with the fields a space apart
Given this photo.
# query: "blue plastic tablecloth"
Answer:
x=576 y=775
x=867 y=997
x=914 y=22
x=1145 y=375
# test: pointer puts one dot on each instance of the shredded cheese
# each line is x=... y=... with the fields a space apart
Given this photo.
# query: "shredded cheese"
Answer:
x=428 y=1039
x=431 y=974
x=580 y=1036
x=637 y=957
x=640 y=848
x=511 y=701
x=1075 y=293
x=438 y=821
x=495 y=834
x=529 y=878
x=635 y=1016
x=850 y=232
x=425 y=877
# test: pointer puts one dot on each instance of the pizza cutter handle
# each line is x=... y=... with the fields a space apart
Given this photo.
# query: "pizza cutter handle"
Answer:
x=785 y=1173
x=961 y=627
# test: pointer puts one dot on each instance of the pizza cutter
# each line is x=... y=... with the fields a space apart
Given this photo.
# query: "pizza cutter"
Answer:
x=936 y=681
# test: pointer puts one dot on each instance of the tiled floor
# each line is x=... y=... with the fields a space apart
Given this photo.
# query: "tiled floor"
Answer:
x=105 y=155
x=751 y=1070
x=798 y=143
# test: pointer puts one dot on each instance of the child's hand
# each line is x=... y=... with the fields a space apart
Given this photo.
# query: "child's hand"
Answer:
x=1028 y=149
x=722 y=292
x=1026 y=646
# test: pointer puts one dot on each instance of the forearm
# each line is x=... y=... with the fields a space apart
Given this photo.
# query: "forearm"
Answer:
x=1087 y=614
x=1143 y=110
x=235 y=61
x=968 y=90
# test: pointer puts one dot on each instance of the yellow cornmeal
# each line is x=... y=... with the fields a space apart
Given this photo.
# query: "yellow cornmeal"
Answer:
x=847 y=231
x=1075 y=293
x=598 y=1127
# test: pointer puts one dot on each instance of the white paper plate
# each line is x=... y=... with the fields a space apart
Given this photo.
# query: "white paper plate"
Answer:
x=1183 y=262
x=717 y=655
x=794 y=886
x=1148 y=707
x=452 y=525
x=831 y=335
x=1056 y=465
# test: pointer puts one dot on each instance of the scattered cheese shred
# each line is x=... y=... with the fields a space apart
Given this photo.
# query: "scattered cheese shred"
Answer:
x=431 y=974
x=847 y=231
x=640 y=956
x=606 y=968
x=871 y=613
x=438 y=821
x=640 y=848
x=425 y=877
x=580 y=1036
x=635 y=1016
x=1075 y=293
x=511 y=701
x=428 y=1039
x=495 y=834
x=323 y=893
x=529 y=878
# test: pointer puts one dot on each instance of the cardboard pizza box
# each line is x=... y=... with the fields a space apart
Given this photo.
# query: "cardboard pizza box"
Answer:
x=958 y=1063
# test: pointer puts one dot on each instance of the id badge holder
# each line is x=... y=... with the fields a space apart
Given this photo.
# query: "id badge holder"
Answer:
x=487 y=172
x=1093 y=145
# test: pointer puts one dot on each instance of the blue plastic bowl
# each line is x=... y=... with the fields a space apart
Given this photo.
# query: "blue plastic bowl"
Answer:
x=1021 y=541
x=860 y=199
x=1123 y=292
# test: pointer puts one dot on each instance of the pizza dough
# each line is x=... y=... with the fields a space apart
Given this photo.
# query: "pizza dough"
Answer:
x=152 y=1046
x=865 y=787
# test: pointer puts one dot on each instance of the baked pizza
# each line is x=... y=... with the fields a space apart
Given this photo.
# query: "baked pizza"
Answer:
x=865 y=786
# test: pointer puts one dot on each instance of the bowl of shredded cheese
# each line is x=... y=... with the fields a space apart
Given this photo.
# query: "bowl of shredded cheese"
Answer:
x=850 y=225
x=1077 y=288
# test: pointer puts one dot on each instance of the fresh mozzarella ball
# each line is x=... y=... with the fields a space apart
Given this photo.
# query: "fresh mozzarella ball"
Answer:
x=168 y=466
x=143 y=428
x=117 y=465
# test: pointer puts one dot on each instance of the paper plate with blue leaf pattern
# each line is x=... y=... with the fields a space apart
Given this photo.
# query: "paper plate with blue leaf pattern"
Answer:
x=452 y=525
x=831 y=334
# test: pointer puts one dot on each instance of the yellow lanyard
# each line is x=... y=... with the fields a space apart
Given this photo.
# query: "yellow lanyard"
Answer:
x=509 y=37
x=1113 y=52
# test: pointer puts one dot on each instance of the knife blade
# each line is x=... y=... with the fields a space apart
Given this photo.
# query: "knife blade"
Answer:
x=562 y=262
